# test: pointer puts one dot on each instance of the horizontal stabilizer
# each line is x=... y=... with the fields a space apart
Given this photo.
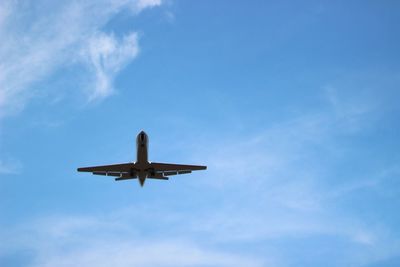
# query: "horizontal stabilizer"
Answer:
x=158 y=177
x=124 y=178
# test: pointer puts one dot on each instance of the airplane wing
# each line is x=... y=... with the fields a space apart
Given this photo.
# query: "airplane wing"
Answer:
x=168 y=169
x=124 y=171
x=118 y=170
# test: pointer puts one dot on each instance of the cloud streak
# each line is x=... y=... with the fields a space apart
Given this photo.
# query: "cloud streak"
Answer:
x=106 y=55
x=91 y=241
x=280 y=183
x=36 y=42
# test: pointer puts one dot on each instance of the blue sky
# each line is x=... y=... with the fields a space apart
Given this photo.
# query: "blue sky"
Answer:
x=292 y=106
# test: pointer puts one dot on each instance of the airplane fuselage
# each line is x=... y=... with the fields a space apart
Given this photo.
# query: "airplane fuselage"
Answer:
x=142 y=162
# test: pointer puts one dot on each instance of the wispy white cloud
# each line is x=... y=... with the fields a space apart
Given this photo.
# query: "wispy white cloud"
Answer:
x=207 y=238
x=38 y=38
x=157 y=253
x=90 y=241
x=280 y=183
x=107 y=55
x=4 y=12
x=143 y=4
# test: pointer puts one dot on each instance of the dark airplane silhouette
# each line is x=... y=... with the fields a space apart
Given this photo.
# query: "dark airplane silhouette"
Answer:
x=142 y=168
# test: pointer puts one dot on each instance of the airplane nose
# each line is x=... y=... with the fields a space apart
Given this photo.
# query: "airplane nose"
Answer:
x=142 y=136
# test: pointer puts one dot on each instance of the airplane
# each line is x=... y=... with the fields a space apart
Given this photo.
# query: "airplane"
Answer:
x=142 y=168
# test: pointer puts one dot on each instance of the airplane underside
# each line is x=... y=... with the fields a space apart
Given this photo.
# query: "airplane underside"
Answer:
x=142 y=169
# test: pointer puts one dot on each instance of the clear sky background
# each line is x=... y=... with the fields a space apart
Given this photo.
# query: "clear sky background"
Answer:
x=292 y=105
